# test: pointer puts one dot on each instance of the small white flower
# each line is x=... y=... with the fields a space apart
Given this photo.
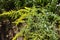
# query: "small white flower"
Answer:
x=58 y=4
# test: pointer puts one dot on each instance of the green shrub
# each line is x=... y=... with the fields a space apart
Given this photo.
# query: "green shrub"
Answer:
x=40 y=18
x=39 y=26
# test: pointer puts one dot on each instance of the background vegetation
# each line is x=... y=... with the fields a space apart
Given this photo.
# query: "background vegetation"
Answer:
x=29 y=19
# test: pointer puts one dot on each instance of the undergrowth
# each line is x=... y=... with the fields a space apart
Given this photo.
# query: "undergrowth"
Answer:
x=40 y=19
x=40 y=23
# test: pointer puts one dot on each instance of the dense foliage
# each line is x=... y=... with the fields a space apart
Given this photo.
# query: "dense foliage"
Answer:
x=17 y=4
x=40 y=19
x=41 y=26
